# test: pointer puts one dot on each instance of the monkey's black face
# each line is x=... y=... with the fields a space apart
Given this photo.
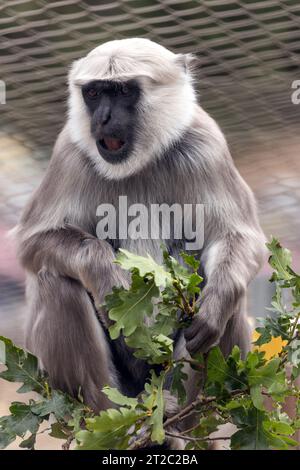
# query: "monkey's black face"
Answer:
x=112 y=106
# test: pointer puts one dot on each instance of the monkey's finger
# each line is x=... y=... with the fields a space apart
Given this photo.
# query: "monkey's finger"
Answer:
x=191 y=331
x=202 y=342
x=207 y=345
x=208 y=342
x=197 y=327
x=195 y=345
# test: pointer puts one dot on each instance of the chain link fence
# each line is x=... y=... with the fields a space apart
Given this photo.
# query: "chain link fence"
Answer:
x=248 y=57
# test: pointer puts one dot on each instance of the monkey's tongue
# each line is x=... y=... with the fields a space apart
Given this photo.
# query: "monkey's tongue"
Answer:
x=112 y=143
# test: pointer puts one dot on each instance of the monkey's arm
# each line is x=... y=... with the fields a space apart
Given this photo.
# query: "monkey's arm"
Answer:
x=234 y=244
x=73 y=253
x=230 y=263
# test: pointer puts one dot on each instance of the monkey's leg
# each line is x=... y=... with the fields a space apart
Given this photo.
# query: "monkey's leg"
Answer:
x=63 y=332
x=70 y=252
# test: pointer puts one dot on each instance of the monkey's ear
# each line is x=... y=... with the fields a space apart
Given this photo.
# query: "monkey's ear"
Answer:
x=189 y=62
x=74 y=72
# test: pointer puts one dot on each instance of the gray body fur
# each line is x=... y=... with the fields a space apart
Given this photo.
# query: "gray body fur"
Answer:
x=67 y=264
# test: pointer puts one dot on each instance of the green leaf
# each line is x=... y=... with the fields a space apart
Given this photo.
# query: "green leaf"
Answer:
x=191 y=261
x=294 y=353
x=6 y=438
x=252 y=435
x=21 y=367
x=58 y=431
x=266 y=376
x=280 y=260
x=207 y=425
x=216 y=366
x=132 y=307
x=252 y=359
x=295 y=372
x=166 y=320
x=145 y=265
x=59 y=403
x=151 y=341
x=76 y=422
x=236 y=376
x=189 y=280
x=116 y=397
x=273 y=327
x=279 y=427
x=177 y=385
x=236 y=402
x=277 y=302
x=177 y=270
x=28 y=443
x=193 y=284
x=155 y=349
x=265 y=336
x=109 y=430
x=296 y=423
x=256 y=431
x=216 y=373
x=257 y=397
x=21 y=420
x=154 y=400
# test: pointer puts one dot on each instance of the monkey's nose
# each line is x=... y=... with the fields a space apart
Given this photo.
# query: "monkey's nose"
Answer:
x=105 y=115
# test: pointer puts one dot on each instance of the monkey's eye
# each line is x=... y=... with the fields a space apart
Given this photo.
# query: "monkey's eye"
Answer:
x=92 y=93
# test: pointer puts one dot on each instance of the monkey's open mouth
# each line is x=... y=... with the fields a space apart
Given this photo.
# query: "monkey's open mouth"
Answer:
x=113 y=149
x=111 y=143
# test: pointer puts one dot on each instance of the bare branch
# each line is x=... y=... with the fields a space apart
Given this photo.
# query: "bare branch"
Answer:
x=197 y=439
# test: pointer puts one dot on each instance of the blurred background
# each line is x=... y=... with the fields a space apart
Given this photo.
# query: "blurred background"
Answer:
x=249 y=56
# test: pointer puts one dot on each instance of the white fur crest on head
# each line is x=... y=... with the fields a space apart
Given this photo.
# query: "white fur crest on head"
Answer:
x=166 y=108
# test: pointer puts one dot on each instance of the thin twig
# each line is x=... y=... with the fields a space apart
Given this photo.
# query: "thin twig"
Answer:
x=67 y=444
x=179 y=416
x=191 y=407
x=141 y=442
x=187 y=308
x=44 y=430
x=183 y=414
x=199 y=439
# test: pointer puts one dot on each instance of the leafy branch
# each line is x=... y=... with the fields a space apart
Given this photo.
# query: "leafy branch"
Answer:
x=160 y=300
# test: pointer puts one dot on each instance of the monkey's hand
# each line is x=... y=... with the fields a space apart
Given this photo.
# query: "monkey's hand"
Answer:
x=99 y=273
x=112 y=276
x=171 y=404
x=207 y=326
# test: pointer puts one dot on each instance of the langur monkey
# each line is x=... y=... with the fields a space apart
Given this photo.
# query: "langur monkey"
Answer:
x=134 y=127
